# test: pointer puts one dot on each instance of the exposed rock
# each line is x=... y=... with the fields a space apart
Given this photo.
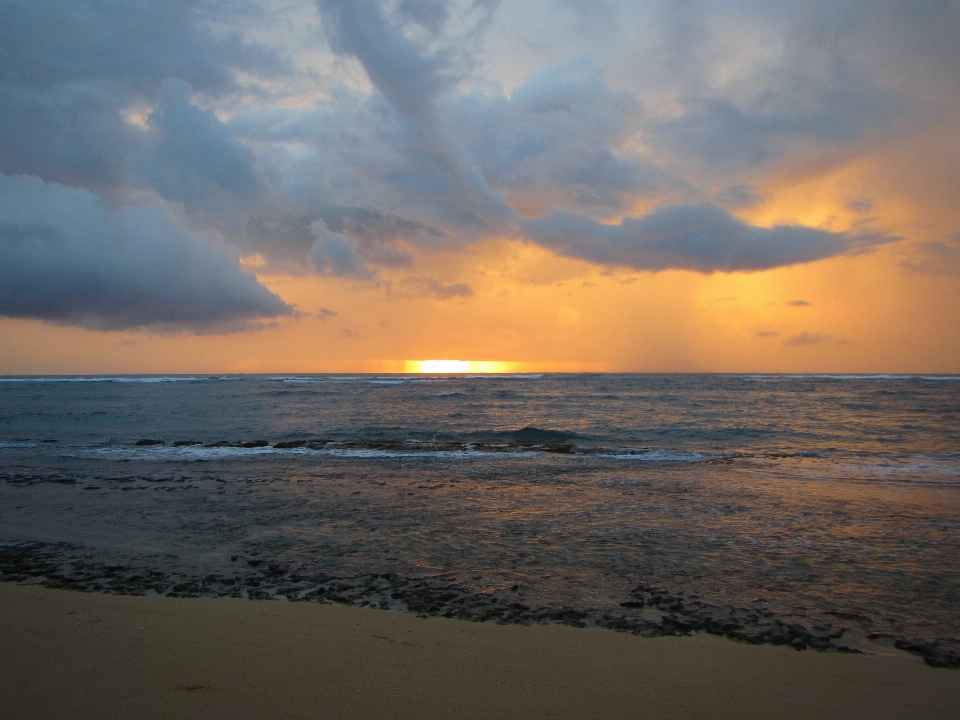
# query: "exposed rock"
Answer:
x=67 y=567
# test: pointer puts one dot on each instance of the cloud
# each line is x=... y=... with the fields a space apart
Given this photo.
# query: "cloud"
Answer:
x=325 y=313
x=70 y=69
x=351 y=137
x=412 y=81
x=798 y=303
x=193 y=157
x=559 y=142
x=763 y=334
x=806 y=339
x=430 y=287
x=936 y=257
x=738 y=197
x=717 y=133
x=66 y=258
x=334 y=254
x=431 y=15
x=703 y=238
x=860 y=205
x=822 y=80
x=408 y=78
x=561 y=87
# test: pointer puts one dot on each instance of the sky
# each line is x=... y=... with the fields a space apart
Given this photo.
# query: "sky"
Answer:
x=288 y=186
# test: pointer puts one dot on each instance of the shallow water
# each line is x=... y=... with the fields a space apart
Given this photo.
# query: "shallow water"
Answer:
x=823 y=500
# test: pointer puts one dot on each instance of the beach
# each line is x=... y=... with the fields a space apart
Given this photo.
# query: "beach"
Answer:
x=77 y=655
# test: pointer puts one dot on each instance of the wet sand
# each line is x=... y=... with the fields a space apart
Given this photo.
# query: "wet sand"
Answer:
x=84 y=655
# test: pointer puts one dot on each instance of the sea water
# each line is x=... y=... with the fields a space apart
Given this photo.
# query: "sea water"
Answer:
x=652 y=501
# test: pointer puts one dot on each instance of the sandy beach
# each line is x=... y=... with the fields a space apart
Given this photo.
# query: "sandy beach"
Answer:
x=83 y=655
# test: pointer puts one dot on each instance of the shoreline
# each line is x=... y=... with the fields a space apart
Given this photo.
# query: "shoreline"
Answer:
x=649 y=612
x=70 y=654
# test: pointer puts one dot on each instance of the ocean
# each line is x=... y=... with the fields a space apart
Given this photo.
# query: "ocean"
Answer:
x=817 y=511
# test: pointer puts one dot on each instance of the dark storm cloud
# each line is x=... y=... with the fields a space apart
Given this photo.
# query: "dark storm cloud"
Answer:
x=131 y=44
x=429 y=14
x=848 y=75
x=350 y=241
x=193 y=158
x=737 y=197
x=694 y=237
x=66 y=258
x=71 y=135
x=375 y=177
x=726 y=136
x=553 y=137
x=409 y=78
x=334 y=254
x=412 y=79
x=371 y=226
x=69 y=73
x=69 y=68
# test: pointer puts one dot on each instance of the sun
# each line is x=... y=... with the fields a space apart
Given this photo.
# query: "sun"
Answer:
x=458 y=366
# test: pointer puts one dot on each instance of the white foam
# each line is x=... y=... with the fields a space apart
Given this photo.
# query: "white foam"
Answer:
x=156 y=379
x=381 y=453
x=109 y=379
x=498 y=376
x=820 y=376
x=657 y=456
x=863 y=377
x=183 y=452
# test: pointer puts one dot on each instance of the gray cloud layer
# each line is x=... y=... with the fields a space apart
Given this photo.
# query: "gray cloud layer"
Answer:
x=692 y=237
x=65 y=257
x=335 y=136
x=68 y=70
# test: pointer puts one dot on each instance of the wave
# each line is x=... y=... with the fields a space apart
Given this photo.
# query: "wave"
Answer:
x=819 y=376
x=940 y=469
x=497 y=376
x=114 y=379
x=664 y=456
x=525 y=441
x=295 y=380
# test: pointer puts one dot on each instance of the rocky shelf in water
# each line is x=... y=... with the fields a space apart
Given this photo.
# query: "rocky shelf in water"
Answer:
x=65 y=566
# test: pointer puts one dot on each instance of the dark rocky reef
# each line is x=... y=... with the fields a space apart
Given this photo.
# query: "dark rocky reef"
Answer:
x=652 y=611
x=752 y=625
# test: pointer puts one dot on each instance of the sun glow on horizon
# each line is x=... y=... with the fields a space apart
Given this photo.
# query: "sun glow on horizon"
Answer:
x=459 y=366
